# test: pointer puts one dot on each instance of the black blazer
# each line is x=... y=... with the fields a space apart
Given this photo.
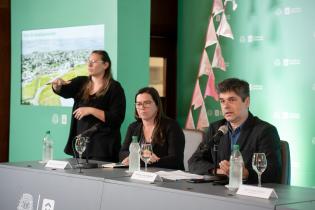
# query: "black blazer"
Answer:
x=171 y=153
x=256 y=136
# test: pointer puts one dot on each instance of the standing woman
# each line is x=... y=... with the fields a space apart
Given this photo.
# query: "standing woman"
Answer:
x=99 y=101
x=152 y=126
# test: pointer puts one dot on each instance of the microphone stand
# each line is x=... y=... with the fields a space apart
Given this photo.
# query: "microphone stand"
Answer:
x=88 y=165
x=78 y=165
x=217 y=178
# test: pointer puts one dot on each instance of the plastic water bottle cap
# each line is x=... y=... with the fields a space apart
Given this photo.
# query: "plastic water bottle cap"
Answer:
x=134 y=139
x=236 y=147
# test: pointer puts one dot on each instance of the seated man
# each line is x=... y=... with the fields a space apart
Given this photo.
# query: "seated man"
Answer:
x=249 y=132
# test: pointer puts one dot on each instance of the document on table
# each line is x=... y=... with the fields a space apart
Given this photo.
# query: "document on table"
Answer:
x=178 y=175
x=114 y=165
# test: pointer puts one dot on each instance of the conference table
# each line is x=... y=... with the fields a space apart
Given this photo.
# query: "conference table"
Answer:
x=32 y=186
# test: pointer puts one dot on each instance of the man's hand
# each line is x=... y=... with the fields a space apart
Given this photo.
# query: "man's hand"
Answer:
x=224 y=168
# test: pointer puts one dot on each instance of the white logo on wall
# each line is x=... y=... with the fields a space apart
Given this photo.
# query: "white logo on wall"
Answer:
x=286 y=62
x=26 y=202
x=251 y=38
x=48 y=204
x=255 y=87
x=287 y=115
x=313 y=87
x=215 y=112
x=54 y=119
x=313 y=140
x=288 y=11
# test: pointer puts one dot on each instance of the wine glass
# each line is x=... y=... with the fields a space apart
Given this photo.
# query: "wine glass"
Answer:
x=259 y=164
x=146 y=153
x=80 y=146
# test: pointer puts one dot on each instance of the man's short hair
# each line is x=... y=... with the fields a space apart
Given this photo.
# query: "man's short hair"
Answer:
x=240 y=87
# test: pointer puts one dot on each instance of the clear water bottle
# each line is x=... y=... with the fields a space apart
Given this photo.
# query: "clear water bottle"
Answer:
x=134 y=155
x=236 y=168
x=47 y=153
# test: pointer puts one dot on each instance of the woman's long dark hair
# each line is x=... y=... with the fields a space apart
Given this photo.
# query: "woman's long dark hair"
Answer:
x=86 y=90
x=157 y=135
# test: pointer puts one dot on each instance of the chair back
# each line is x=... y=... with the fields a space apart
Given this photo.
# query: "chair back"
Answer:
x=286 y=163
x=192 y=140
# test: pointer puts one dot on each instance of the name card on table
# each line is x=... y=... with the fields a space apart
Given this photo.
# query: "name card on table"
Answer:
x=58 y=164
x=145 y=176
x=259 y=192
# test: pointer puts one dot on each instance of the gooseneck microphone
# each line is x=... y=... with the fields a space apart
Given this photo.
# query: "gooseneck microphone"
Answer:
x=223 y=129
x=87 y=133
x=91 y=130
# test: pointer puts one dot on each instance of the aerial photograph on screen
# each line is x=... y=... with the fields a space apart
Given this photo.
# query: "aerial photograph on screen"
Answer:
x=51 y=53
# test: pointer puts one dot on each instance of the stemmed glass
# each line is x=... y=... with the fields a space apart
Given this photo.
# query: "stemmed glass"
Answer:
x=80 y=146
x=146 y=153
x=259 y=164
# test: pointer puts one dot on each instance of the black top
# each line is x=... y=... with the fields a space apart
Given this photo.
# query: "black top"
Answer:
x=256 y=136
x=171 y=153
x=105 y=142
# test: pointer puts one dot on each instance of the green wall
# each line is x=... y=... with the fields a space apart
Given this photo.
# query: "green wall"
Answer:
x=273 y=49
x=127 y=28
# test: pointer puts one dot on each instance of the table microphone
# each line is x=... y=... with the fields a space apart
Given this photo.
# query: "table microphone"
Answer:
x=223 y=129
x=91 y=130
x=87 y=133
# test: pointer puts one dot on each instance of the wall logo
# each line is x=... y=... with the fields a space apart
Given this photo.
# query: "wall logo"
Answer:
x=286 y=115
x=286 y=62
x=288 y=11
x=313 y=87
x=26 y=202
x=251 y=38
x=48 y=204
x=54 y=119
x=215 y=112
x=255 y=87
x=218 y=113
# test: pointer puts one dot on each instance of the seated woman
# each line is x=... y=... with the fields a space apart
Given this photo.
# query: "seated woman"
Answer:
x=152 y=126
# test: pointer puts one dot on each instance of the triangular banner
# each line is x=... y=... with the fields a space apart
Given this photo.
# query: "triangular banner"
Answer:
x=210 y=88
x=190 y=121
x=224 y=28
x=204 y=66
x=203 y=121
x=211 y=34
x=218 y=60
x=197 y=99
x=217 y=7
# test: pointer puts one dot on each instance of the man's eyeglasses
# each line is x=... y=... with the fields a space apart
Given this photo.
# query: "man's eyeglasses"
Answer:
x=145 y=104
x=93 y=62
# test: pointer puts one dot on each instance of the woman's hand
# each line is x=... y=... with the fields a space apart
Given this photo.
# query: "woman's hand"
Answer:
x=153 y=159
x=125 y=161
x=58 y=83
x=81 y=112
